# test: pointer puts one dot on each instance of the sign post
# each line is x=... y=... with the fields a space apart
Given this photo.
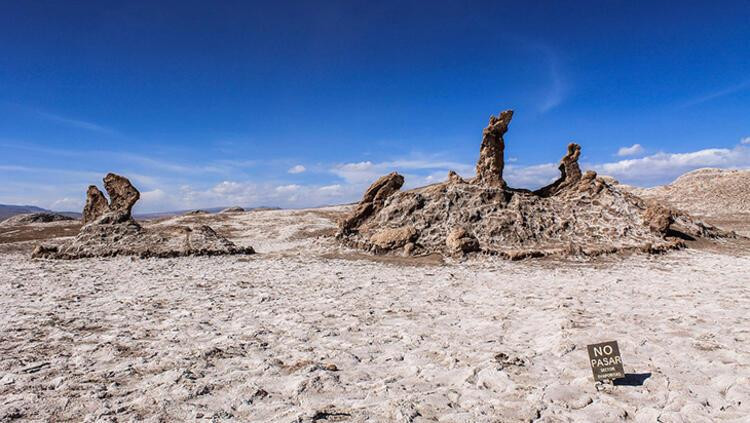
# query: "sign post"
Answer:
x=606 y=362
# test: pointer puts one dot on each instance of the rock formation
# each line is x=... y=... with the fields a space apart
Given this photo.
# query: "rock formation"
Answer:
x=122 y=195
x=110 y=230
x=96 y=205
x=373 y=199
x=578 y=214
x=491 y=153
x=570 y=172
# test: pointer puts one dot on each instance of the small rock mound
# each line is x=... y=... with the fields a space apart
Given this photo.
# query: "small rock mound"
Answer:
x=29 y=218
x=578 y=214
x=235 y=209
x=112 y=231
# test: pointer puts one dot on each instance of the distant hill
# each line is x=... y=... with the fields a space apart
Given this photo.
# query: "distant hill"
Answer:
x=705 y=192
x=9 y=210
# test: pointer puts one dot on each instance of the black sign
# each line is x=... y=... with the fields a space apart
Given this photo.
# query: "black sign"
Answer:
x=606 y=362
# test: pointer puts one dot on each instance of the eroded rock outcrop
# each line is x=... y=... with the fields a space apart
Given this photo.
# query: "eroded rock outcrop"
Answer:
x=110 y=230
x=578 y=214
x=570 y=172
x=96 y=205
x=373 y=200
x=491 y=153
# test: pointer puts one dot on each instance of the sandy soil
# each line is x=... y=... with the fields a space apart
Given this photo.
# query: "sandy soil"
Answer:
x=307 y=331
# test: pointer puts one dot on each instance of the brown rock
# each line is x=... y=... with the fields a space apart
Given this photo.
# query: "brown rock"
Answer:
x=570 y=172
x=460 y=241
x=455 y=178
x=111 y=231
x=373 y=200
x=42 y=251
x=122 y=194
x=96 y=205
x=392 y=238
x=491 y=161
x=658 y=218
x=580 y=214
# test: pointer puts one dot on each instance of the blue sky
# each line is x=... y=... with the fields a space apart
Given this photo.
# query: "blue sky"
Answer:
x=300 y=104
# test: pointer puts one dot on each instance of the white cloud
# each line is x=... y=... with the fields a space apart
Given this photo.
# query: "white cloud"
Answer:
x=297 y=169
x=745 y=141
x=421 y=167
x=664 y=167
x=532 y=177
x=633 y=150
x=67 y=204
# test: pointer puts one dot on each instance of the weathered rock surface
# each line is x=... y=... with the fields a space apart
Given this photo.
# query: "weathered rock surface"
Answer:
x=391 y=238
x=373 y=200
x=28 y=218
x=491 y=153
x=658 y=218
x=579 y=214
x=116 y=233
x=122 y=194
x=570 y=172
x=96 y=205
x=460 y=241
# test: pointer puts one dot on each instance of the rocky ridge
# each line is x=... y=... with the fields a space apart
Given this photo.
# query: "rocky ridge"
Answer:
x=41 y=217
x=578 y=214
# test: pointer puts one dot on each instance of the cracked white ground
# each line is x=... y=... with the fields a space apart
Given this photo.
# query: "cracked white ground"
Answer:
x=306 y=331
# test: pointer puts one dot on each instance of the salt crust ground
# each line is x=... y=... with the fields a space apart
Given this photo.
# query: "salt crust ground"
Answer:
x=295 y=334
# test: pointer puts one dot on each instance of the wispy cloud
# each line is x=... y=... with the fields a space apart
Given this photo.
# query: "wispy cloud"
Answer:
x=745 y=141
x=633 y=150
x=716 y=94
x=664 y=167
x=77 y=123
x=558 y=87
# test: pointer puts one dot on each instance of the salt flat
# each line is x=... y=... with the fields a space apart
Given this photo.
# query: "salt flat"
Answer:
x=308 y=331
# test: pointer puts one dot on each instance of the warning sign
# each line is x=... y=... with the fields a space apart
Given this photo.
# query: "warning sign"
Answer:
x=606 y=362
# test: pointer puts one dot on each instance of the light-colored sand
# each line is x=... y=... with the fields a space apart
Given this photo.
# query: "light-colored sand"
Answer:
x=288 y=335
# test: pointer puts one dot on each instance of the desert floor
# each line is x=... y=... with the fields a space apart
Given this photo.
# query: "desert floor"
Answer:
x=307 y=331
